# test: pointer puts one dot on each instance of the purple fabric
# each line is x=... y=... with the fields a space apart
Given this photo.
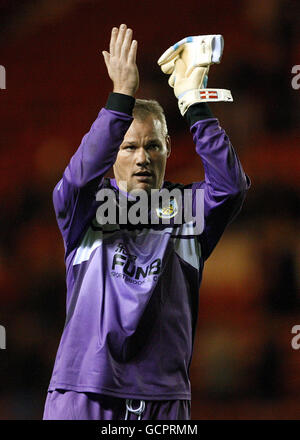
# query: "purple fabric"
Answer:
x=127 y=334
x=71 y=405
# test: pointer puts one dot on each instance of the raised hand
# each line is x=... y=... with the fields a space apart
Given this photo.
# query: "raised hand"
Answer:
x=121 y=61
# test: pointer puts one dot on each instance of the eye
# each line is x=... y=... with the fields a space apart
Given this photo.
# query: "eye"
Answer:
x=154 y=147
x=129 y=148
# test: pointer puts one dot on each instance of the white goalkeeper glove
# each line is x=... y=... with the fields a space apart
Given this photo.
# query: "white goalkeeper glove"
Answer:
x=188 y=63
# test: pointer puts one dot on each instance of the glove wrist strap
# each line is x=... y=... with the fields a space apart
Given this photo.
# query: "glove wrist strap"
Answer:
x=202 y=95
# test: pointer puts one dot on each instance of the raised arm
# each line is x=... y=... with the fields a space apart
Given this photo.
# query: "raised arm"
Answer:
x=74 y=196
x=226 y=184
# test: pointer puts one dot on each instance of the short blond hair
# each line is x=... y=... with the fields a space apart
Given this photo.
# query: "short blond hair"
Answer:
x=145 y=107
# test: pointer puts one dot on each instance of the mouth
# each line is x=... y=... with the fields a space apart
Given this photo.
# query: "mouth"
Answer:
x=143 y=174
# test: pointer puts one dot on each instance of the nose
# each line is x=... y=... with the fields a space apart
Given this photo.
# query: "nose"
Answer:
x=142 y=157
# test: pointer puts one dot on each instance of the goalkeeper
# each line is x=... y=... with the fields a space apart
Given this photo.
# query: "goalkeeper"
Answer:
x=132 y=290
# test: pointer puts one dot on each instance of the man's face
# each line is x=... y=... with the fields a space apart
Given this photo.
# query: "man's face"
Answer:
x=143 y=154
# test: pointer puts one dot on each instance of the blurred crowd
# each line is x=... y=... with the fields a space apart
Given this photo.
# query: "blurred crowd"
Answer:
x=243 y=364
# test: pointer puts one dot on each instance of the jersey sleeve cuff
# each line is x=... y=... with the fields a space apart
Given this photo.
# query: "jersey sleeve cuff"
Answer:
x=120 y=103
x=198 y=112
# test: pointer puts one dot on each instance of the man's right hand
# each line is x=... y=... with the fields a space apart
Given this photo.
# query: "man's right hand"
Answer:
x=121 y=61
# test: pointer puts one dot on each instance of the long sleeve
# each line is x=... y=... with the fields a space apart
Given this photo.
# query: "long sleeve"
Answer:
x=225 y=185
x=74 y=196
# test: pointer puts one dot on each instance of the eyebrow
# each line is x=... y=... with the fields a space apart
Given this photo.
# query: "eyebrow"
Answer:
x=151 y=141
x=154 y=141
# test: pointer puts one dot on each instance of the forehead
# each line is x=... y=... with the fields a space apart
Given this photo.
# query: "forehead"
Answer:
x=149 y=128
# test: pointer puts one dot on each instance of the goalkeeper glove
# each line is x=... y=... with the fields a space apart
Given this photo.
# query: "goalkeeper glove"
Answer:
x=188 y=63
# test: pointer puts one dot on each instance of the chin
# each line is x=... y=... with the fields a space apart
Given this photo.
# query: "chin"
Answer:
x=142 y=187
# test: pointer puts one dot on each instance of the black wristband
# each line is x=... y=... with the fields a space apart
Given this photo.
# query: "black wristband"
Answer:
x=198 y=112
x=120 y=103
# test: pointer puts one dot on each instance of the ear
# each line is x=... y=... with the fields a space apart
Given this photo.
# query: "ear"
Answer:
x=168 y=144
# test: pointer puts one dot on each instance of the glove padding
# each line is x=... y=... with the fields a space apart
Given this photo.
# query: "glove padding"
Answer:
x=184 y=79
x=188 y=63
x=200 y=50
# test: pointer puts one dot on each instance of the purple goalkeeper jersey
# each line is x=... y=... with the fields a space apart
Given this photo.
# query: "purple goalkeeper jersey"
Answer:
x=132 y=292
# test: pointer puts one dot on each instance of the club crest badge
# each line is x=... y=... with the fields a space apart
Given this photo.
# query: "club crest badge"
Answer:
x=168 y=211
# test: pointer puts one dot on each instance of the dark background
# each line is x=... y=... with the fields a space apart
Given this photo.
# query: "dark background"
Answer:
x=244 y=366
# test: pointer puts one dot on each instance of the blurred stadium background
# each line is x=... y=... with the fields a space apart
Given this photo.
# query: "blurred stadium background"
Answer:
x=244 y=366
